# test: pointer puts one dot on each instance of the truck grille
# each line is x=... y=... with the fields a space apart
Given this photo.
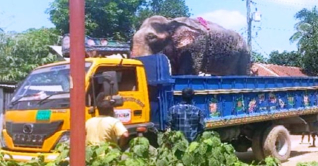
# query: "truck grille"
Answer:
x=31 y=134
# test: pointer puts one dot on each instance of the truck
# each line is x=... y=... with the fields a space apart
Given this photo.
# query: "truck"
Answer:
x=247 y=111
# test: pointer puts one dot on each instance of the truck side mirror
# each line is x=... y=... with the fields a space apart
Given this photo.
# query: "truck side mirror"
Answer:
x=110 y=83
x=117 y=101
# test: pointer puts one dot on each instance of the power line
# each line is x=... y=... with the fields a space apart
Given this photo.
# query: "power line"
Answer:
x=276 y=29
x=260 y=46
x=249 y=20
x=280 y=7
x=293 y=3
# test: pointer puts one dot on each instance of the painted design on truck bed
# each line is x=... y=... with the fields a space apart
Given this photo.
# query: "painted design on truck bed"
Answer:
x=291 y=100
x=262 y=102
x=213 y=107
x=259 y=118
x=249 y=107
x=306 y=101
x=239 y=107
x=252 y=105
x=266 y=106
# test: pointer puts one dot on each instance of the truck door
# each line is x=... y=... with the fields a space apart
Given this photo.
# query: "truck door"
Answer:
x=131 y=89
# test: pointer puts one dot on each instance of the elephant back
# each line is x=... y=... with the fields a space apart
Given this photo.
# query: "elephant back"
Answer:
x=213 y=49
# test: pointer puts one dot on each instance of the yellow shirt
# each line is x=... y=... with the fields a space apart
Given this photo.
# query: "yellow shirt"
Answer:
x=103 y=128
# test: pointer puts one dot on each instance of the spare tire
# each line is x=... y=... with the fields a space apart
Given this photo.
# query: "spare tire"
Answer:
x=276 y=142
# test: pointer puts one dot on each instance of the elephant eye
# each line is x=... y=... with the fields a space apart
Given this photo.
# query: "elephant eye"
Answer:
x=151 y=36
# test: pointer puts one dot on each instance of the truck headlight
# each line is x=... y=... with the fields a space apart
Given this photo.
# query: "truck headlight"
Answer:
x=3 y=142
x=65 y=138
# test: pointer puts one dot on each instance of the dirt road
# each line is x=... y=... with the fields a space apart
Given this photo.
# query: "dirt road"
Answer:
x=300 y=152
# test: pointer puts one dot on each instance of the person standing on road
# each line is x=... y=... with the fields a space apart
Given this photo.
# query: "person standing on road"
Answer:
x=186 y=117
x=105 y=128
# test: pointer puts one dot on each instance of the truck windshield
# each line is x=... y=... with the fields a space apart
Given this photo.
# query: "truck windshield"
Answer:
x=43 y=86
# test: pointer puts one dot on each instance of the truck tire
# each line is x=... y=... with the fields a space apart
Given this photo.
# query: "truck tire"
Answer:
x=241 y=148
x=153 y=139
x=276 y=142
x=257 y=144
x=242 y=144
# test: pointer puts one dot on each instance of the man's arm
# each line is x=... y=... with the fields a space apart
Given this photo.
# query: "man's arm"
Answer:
x=169 y=118
x=201 y=122
x=123 y=140
x=122 y=133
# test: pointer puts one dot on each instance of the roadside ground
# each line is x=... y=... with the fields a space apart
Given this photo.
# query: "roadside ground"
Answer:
x=300 y=152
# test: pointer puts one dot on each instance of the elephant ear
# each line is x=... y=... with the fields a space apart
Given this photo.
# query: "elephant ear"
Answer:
x=182 y=34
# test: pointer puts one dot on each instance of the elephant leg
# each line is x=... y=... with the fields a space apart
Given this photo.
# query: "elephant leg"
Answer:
x=171 y=53
x=185 y=64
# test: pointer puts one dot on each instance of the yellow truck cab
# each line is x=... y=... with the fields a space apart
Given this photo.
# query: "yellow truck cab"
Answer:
x=38 y=117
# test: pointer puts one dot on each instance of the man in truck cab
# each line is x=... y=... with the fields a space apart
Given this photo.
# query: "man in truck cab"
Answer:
x=186 y=117
x=105 y=128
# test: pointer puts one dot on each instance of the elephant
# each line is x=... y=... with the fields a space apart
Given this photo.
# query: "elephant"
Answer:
x=193 y=46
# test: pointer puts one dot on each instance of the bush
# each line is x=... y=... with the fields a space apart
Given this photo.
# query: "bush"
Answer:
x=173 y=150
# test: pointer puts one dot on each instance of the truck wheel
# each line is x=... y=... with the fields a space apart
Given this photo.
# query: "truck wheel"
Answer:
x=241 y=144
x=257 y=146
x=241 y=148
x=153 y=139
x=277 y=143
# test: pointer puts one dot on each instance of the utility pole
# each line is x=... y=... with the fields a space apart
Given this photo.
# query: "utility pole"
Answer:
x=249 y=25
x=77 y=52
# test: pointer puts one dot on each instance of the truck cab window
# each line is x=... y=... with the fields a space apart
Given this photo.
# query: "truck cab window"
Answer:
x=127 y=80
x=126 y=77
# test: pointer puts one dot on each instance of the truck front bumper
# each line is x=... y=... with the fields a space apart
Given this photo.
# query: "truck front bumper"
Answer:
x=24 y=156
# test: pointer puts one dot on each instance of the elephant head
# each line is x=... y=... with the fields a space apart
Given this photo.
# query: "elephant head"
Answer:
x=158 y=32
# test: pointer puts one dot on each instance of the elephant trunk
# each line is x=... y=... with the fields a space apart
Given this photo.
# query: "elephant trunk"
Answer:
x=140 y=50
x=140 y=47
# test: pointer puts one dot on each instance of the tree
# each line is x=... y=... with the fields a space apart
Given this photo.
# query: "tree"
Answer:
x=285 y=58
x=258 y=58
x=20 y=53
x=117 y=19
x=166 y=8
x=110 y=19
x=306 y=36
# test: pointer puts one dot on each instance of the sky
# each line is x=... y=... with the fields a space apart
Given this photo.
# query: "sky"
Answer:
x=271 y=33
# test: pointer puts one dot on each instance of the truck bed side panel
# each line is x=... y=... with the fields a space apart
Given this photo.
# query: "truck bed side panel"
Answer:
x=230 y=100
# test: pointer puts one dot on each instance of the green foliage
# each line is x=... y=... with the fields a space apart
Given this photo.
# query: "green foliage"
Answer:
x=21 y=53
x=306 y=36
x=166 y=8
x=110 y=19
x=258 y=58
x=285 y=58
x=173 y=150
x=115 y=19
x=313 y=163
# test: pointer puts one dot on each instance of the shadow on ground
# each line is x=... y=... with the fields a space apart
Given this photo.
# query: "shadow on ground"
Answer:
x=298 y=153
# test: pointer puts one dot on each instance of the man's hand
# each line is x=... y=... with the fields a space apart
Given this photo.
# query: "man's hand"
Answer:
x=123 y=139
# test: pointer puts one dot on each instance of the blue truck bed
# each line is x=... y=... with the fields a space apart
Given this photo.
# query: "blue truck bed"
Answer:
x=230 y=100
